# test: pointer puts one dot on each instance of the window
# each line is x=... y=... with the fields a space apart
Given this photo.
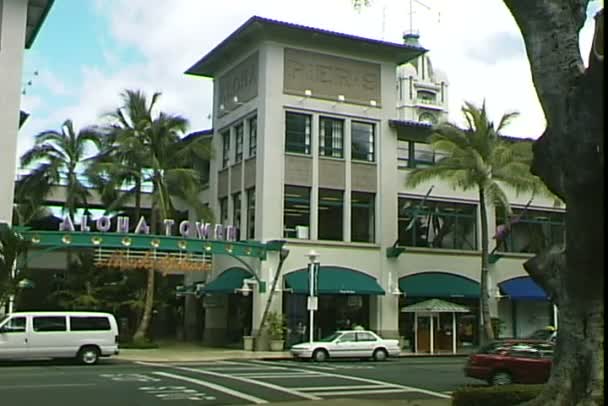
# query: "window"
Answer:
x=427 y=118
x=296 y=212
x=437 y=224
x=348 y=337
x=236 y=211
x=224 y=211
x=423 y=155
x=14 y=325
x=531 y=230
x=426 y=97
x=253 y=136
x=331 y=135
x=362 y=215
x=49 y=323
x=403 y=154
x=297 y=133
x=225 y=148
x=365 y=336
x=331 y=214
x=81 y=323
x=251 y=213
x=363 y=136
x=238 y=150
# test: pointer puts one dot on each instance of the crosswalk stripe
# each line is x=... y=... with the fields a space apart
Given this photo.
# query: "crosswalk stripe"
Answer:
x=361 y=392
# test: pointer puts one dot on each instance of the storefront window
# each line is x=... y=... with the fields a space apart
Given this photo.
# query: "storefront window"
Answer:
x=531 y=231
x=437 y=224
x=297 y=133
x=296 y=212
x=362 y=217
x=331 y=213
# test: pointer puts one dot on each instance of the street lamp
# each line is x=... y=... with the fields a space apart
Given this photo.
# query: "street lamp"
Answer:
x=313 y=269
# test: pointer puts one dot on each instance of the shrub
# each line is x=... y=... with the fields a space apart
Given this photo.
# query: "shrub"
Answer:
x=507 y=395
x=275 y=325
x=142 y=344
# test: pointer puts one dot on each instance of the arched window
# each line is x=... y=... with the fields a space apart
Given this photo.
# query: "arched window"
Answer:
x=427 y=118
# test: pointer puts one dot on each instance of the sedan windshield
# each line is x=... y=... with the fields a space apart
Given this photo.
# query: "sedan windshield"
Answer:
x=330 y=338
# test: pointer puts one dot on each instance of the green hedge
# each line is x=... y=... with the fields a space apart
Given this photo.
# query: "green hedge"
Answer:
x=139 y=344
x=506 y=395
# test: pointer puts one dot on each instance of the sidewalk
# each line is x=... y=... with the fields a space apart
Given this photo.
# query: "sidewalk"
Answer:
x=190 y=352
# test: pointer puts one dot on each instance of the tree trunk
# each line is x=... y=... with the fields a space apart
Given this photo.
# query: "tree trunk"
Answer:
x=569 y=158
x=146 y=317
x=486 y=332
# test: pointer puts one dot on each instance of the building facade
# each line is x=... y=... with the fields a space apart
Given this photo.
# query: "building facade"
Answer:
x=315 y=132
x=20 y=21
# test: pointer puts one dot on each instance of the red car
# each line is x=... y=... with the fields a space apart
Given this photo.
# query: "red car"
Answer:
x=512 y=361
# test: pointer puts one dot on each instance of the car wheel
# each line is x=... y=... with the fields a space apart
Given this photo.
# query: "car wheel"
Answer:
x=88 y=355
x=501 y=378
x=380 y=355
x=320 y=355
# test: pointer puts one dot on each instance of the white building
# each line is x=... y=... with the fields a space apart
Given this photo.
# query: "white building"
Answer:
x=314 y=142
x=20 y=21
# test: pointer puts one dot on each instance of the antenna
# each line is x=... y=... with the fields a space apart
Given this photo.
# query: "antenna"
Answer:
x=411 y=13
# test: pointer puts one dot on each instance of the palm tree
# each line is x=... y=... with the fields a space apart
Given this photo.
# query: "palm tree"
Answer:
x=144 y=148
x=12 y=245
x=61 y=155
x=479 y=157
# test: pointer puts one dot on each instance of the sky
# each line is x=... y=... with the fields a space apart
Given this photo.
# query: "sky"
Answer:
x=88 y=51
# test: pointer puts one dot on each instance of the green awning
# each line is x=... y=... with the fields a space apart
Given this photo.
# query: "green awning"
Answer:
x=438 y=284
x=227 y=281
x=334 y=280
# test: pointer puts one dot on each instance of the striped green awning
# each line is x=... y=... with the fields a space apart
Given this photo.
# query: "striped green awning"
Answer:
x=335 y=280
x=438 y=284
x=227 y=281
x=435 y=306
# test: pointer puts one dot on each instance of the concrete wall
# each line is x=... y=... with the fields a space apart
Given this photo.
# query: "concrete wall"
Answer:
x=12 y=40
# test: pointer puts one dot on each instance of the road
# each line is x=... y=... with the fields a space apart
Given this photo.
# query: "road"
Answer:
x=225 y=382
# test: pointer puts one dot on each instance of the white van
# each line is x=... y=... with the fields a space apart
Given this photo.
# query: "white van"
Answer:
x=85 y=336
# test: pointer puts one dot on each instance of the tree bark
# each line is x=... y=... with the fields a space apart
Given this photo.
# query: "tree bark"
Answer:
x=487 y=333
x=569 y=158
x=146 y=317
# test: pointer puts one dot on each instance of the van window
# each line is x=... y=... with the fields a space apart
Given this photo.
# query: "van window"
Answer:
x=49 y=323
x=14 y=325
x=85 y=323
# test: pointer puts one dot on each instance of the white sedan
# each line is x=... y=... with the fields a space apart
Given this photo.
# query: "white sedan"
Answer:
x=348 y=344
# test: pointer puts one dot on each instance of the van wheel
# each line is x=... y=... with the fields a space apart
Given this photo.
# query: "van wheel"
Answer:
x=88 y=355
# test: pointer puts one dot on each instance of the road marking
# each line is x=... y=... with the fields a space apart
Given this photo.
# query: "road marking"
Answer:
x=213 y=386
x=238 y=378
x=329 y=388
x=363 y=392
x=50 y=385
x=373 y=381
x=279 y=376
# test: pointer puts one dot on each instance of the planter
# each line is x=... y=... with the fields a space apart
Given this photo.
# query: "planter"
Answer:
x=276 y=345
x=248 y=343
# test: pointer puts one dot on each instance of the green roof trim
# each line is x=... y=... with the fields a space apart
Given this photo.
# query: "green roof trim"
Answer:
x=438 y=284
x=65 y=240
x=435 y=306
x=334 y=280
x=227 y=281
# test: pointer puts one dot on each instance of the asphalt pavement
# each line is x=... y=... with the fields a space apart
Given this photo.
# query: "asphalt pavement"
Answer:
x=236 y=381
